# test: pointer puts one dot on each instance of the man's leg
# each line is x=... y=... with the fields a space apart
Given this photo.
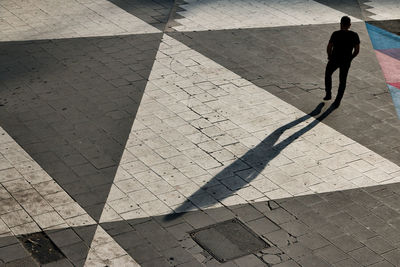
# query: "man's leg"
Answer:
x=330 y=69
x=343 y=71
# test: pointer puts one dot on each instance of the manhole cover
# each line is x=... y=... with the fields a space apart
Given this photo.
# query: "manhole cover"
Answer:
x=228 y=240
x=41 y=247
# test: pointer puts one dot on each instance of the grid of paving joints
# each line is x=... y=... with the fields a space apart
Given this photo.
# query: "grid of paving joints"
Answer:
x=81 y=98
x=349 y=228
x=209 y=142
x=37 y=20
x=296 y=75
x=220 y=188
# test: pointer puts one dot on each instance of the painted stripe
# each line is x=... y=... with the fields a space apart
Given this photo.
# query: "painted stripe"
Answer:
x=382 y=39
x=387 y=49
x=394 y=52
x=397 y=85
x=395 y=92
x=390 y=67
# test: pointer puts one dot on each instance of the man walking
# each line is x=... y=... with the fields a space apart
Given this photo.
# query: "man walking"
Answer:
x=343 y=46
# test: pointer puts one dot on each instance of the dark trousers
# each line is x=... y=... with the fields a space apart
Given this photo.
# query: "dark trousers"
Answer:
x=343 y=71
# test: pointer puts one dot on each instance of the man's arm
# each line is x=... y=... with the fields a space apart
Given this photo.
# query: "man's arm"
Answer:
x=329 y=49
x=356 y=50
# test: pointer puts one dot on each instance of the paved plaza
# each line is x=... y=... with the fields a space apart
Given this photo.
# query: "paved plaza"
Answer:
x=193 y=133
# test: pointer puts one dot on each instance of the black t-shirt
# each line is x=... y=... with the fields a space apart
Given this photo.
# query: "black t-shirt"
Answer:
x=343 y=44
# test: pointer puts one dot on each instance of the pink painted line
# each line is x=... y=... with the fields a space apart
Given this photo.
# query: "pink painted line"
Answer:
x=397 y=85
x=390 y=67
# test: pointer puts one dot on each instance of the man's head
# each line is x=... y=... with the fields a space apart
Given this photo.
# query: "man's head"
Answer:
x=345 y=23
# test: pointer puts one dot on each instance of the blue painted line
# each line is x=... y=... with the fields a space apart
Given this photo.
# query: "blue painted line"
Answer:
x=382 y=39
x=395 y=92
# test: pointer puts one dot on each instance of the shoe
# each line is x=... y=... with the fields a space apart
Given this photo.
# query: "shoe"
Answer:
x=328 y=97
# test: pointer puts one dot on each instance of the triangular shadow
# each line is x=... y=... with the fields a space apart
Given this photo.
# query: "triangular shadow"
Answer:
x=395 y=92
x=71 y=103
x=381 y=38
x=349 y=7
x=153 y=12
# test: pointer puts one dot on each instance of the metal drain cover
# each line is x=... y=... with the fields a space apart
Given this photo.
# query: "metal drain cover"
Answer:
x=228 y=240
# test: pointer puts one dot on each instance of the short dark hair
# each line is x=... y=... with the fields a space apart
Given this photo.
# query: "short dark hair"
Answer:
x=345 y=21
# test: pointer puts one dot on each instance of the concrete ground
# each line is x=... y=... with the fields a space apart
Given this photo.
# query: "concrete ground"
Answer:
x=129 y=130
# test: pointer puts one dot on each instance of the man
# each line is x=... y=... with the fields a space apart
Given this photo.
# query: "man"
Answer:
x=343 y=46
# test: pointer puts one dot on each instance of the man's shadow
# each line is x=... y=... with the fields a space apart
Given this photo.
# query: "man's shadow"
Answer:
x=259 y=156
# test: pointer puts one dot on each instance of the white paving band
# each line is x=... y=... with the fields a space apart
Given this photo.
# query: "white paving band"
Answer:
x=196 y=118
x=55 y=19
x=201 y=15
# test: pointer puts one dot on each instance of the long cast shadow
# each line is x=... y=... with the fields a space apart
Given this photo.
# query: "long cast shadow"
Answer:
x=261 y=154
